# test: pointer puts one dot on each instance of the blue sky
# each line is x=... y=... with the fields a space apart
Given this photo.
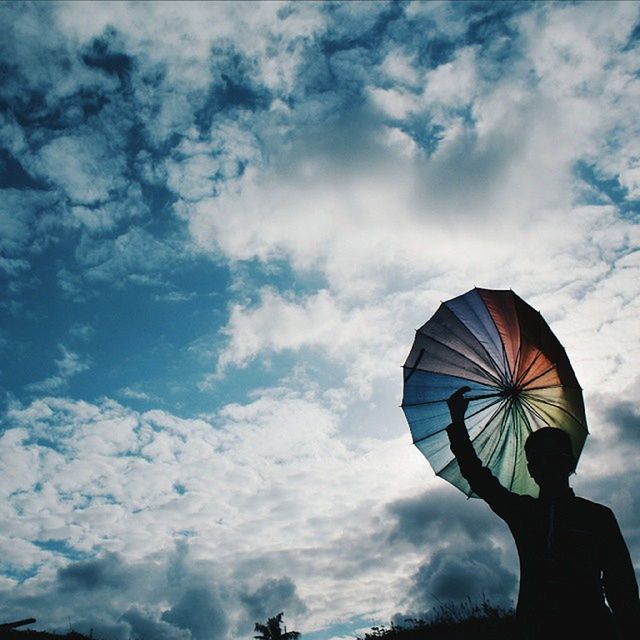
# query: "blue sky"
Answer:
x=220 y=224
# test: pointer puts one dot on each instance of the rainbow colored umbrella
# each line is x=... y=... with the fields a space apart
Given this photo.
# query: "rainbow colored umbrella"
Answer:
x=520 y=379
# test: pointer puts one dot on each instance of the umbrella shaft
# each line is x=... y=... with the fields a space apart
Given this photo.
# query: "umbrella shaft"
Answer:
x=483 y=397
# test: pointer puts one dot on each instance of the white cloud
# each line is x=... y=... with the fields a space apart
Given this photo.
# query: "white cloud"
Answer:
x=134 y=255
x=453 y=84
x=84 y=166
x=393 y=102
x=198 y=165
x=400 y=67
x=495 y=205
x=245 y=479
x=21 y=213
x=278 y=323
x=69 y=365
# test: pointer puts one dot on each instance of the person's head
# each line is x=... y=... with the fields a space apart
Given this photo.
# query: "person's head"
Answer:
x=550 y=457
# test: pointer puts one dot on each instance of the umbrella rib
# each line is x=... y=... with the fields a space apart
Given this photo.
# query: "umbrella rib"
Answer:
x=526 y=371
x=477 y=317
x=516 y=364
x=446 y=346
x=502 y=346
x=530 y=390
x=481 y=409
x=517 y=439
x=502 y=420
x=519 y=410
x=501 y=379
x=540 y=376
x=534 y=411
x=475 y=413
x=491 y=358
x=418 y=404
x=531 y=408
x=430 y=435
x=415 y=365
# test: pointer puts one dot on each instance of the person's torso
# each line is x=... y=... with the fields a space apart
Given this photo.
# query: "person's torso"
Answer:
x=560 y=545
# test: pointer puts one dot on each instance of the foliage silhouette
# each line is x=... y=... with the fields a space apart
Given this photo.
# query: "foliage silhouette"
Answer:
x=456 y=621
x=272 y=630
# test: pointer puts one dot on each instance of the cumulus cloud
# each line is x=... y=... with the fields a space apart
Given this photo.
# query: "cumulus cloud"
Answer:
x=131 y=484
x=271 y=597
x=456 y=575
x=471 y=553
x=279 y=323
x=83 y=167
x=199 y=611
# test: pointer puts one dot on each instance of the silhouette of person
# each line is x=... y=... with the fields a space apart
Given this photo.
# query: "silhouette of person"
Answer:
x=572 y=553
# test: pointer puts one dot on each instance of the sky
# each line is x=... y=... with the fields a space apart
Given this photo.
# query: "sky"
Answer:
x=220 y=225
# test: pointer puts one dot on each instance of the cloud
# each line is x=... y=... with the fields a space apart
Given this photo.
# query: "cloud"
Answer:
x=271 y=597
x=625 y=414
x=199 y=611
x=436 y=517
x=85 y=167
x=145 y=627
x=106 y=572
x=456 y=575
x=23 y=213
x=69 y=365
x=471 y=552
x=111 y=476
x=170 y=595
x=134 y=394
x=84 y=332
x=279 y=322
x=135 y=254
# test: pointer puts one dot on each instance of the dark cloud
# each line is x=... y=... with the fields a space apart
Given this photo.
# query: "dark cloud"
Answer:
x=121 y=600
x=274 y=595
x=359 y=25
x=442 y=515
x=465 y=563
x=454 y=575
x=236 y=86
x=144 y=626
x=106 y=572
x=625 y=415
x=102 y=629
x=200 y=611
x=102 y=54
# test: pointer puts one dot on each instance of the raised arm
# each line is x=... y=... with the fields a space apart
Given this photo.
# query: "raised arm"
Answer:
x=482 y=481
x=620 y=585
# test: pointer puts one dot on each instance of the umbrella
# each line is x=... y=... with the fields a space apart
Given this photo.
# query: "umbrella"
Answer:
x=520 y=378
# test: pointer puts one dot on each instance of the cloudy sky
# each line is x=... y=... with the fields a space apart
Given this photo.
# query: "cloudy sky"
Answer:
x=220 y=226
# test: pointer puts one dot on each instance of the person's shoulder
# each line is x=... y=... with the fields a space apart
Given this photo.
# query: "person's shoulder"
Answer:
x=595 y=507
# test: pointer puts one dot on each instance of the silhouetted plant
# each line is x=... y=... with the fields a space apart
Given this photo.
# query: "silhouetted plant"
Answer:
x=456 y=621
x=272 y=630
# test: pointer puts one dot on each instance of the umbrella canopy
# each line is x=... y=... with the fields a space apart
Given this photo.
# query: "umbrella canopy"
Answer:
x=520 y=379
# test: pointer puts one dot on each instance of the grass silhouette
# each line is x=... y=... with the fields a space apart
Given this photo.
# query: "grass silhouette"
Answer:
x=466 y=620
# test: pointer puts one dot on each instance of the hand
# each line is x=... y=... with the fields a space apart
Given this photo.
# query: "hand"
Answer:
x=458 y=404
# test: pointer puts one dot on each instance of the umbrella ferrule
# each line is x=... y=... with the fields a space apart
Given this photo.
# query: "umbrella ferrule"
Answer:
x=511 y=391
